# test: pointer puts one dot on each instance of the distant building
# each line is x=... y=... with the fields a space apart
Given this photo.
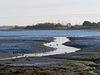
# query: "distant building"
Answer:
x=98 y=23
x=69 y=25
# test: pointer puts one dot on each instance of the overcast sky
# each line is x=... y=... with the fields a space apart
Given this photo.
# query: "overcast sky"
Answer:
x=28 y=12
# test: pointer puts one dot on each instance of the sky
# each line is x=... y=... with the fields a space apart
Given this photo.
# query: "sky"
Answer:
x=29 y=12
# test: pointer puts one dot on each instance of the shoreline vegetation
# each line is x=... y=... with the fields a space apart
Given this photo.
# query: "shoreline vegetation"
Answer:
x=58 y=26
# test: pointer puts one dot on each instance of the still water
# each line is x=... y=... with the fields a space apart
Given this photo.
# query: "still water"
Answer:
x=51 y=33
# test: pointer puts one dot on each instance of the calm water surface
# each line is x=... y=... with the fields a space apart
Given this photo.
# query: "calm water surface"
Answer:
x=51 y=33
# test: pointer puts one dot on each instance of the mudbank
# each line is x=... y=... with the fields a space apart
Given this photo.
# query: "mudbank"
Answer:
x=87 y=44
x=16 y=45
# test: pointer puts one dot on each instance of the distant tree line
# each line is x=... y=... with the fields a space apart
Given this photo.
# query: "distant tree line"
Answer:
x=58 y=26
x=88 y=23
x=45 y=26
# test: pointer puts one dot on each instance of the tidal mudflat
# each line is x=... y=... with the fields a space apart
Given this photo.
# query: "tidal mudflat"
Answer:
x=20 y=45
x=77 y=62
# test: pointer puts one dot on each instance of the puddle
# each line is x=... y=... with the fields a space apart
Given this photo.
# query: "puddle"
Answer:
x=35 y=64
x=75 y=56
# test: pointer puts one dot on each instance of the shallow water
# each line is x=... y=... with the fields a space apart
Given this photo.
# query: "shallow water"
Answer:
x=36 y=64
x=60 y=36
x=75 y=56
x=57 y=43
x=93 y=72
x=59 y=47
x=51 y=33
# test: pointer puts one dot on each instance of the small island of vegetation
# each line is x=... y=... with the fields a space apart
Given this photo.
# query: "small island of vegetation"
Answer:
x=59 y=26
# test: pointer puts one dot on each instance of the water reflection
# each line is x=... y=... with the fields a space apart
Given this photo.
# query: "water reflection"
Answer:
x=57 y=44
